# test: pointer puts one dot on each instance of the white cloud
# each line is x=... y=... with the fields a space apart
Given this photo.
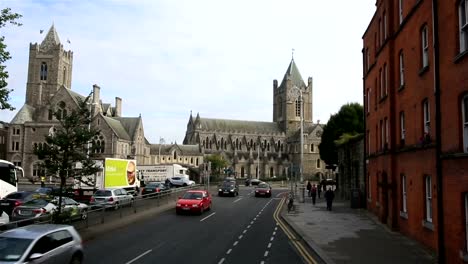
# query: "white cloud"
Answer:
x=218 y=58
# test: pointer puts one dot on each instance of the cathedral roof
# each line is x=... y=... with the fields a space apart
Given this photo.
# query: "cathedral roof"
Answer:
x=129 y=123
x=253 y=127
x=118 y=128
x=51 y=38
x=25 y=114
x=186 y=150
x=293 y=73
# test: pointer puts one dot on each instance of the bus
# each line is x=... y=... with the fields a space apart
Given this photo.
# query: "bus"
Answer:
x=9 y=177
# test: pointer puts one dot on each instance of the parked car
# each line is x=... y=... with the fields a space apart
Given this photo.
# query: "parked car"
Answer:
x=50 y=192
x=46 y=243
x=154 y=189
x=228 y=188
x=252 y=182
x=111 y=198
x=194 y=201
x=72 y=208
x=33 y=209
x=263 y=189
x=14 y=199
x=180 y=181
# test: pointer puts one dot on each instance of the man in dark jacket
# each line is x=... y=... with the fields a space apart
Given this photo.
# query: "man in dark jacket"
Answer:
x=329 y=196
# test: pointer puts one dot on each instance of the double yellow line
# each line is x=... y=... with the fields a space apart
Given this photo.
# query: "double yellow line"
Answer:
x=296 y=242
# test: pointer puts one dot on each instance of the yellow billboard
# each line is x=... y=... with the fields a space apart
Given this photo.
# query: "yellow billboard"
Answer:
x=119 y=173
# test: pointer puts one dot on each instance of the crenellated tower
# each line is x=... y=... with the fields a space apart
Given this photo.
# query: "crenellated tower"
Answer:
x=50 y=67
x=286 y=99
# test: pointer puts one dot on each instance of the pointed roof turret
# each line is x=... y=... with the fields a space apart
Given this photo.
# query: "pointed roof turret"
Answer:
x=293 y=73
x=51 y=39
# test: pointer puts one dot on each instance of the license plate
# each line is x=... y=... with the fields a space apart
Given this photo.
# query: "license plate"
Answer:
x=225 y=192
x=5 y=204
x=25 y=212
x=150 y=190
x=185 y=208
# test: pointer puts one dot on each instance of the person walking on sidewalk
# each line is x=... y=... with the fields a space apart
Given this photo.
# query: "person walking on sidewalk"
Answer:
x=313 y=193
x=329 y=196
x=309 y=186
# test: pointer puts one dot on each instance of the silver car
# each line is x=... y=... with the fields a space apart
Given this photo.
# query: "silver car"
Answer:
x=111 y=198
x=54 y=244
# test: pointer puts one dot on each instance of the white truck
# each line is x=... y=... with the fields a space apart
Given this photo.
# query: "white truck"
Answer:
x=176 y=174
x=113 y=173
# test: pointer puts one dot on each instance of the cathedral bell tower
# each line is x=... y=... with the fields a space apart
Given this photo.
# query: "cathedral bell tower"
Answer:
x=50 y=67
x=286 y=100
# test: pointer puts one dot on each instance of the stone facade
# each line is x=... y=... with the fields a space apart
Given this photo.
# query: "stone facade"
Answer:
x=48 y=89
x=266 y=149
x=350 y=173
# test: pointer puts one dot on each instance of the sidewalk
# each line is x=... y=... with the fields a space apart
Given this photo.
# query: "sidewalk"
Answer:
x=349 y=236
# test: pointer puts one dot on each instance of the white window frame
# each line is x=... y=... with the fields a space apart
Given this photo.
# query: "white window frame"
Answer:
x=463 y=18
x=400 y=10
x=464 y=110
x=466 y=221
x=427 y=116
x=402 y=125
x=386 y=78
x=404 y=195
x=428 y=200
x=402 y=69
x=425 y=46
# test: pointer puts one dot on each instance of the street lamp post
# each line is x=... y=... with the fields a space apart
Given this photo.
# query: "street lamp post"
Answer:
x=161 y=141
x=258 y=162
x=301 y=102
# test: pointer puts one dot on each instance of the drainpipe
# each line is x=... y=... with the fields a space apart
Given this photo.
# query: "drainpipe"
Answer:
x=366 y=106
x=440 y=202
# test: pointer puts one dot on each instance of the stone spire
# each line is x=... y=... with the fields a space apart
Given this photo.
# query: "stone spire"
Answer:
x=51 y=39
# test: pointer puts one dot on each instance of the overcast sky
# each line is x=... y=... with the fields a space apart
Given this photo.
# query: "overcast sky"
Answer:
x=165 y=58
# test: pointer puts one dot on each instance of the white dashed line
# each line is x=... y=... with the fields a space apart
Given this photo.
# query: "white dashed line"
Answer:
x=262 y=262
x=271 y=239
x=255 y=218
x=266 y=253
x=243 y=232
x=274 y=233
x=248 y=226
x=139 y=256
x=229 y=251
x=207 y=217
x=235 y=243
x=269 y=245
x=221 y=261
x=241 y=236
x=251 y=222
x=237 y=200
x=276 y=228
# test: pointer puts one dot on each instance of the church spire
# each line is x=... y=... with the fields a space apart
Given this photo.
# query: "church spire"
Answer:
x=51 y=39
x=293 y=73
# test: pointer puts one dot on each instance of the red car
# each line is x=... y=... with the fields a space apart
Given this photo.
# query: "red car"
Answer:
x=194 y=201
x=263 y=189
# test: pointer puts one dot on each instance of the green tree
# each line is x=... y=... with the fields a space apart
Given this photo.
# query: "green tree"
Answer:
x=217 y=163
x=349 y=120
x=5 y=17
x=68 y=150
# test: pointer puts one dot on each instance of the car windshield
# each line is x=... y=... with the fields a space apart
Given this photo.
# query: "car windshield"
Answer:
x=152 y=185
x=192 y=196
x=11 y=249
x=43 y=190
x=103 y=193
x=263 y=185
x=36 y=202
x=17 y=195
x=228 y=184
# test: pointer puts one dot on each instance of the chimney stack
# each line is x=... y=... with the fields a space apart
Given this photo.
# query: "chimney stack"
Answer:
x=118 y=107
x=96 y=94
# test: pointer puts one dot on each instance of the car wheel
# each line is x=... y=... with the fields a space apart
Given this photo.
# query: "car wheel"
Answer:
x=220 y=194
x=185 y=185
x=116 y=206
x=201 y=210
x=84 y=214
x=76 y=259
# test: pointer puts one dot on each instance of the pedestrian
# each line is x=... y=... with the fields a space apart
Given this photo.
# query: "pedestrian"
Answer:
x=313 y=193
x=43 y=181
x=319 y=190
x=309 y=186
x=329 y=196
x=168 y=183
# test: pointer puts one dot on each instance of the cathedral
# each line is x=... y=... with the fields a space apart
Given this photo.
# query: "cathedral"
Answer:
x=267 y=149
x=48 y=90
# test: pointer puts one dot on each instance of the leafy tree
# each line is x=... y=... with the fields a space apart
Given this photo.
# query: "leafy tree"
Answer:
x=217 y=163
x=69 y=145
x=349 y=120
x=5 y=17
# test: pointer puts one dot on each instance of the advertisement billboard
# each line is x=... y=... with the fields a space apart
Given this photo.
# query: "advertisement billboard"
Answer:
x=119 y=173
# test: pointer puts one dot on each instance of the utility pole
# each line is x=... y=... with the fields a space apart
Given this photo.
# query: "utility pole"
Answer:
x=301 y=102
x=258 y=161
x=161 y=141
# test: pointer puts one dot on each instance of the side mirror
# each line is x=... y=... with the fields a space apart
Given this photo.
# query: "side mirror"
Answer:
x=35 y=256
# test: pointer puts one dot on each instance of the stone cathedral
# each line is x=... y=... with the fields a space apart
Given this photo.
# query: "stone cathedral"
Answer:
x=266 y=149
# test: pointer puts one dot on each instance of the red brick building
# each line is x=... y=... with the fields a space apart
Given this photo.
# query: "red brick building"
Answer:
x=415 y=58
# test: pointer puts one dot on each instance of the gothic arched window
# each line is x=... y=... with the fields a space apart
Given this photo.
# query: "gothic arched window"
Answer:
x=43 y=73
x=62 y=111
x=99 y=144
x=175 y=155
x=298 y=108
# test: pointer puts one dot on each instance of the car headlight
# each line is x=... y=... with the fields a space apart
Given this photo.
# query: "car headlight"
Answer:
x=256 y=190
x=268 y=190
x=178 y=204
x=220 y=190
x=194 y=205
x=232 y=190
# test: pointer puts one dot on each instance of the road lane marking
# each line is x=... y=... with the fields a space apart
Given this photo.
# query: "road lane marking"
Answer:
x=248 y=226
x=266 y=253
x=139 y=256
x=241 y=236
x=235 y=243
x=229 y=251
x=274 y=232
x=276 y=228
x=269 y=245
x=305 y=254
x=271 y=239
x=207 y=217
x=262 y=262
x=237 y=200
x=255 y=218
x=221 y=261
x=244 y=231
x=251 y=222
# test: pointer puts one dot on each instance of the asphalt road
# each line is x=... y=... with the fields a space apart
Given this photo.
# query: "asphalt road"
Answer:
x=237 y=230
